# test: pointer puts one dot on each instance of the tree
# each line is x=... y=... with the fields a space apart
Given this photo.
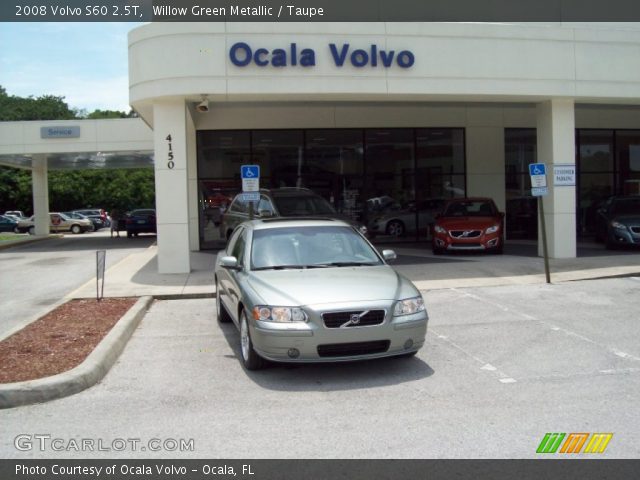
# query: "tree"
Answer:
x=46 y=107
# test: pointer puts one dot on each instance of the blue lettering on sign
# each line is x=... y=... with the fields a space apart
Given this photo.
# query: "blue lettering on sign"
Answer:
x=241 y=55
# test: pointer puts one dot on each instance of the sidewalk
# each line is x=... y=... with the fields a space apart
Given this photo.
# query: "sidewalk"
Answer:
x=137 y=275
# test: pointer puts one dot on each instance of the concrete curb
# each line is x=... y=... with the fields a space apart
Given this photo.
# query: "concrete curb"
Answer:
x=26 y=241
x=85 y=375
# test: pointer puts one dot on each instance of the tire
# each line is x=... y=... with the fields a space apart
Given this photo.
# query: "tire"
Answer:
x=75 y=229
x=395 y=228
x=250 y=359
x=16 y=230
x=436 y=250
x=221 y=311
x=32 y=230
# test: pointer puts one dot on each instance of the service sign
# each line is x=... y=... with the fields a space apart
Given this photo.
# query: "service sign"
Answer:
x=60 y=132
x=564 y=175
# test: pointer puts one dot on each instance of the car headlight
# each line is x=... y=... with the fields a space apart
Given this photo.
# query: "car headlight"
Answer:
x=439 y=229
x=408 y=306
x=618 y=225
x=279 y=314
x=493 y=229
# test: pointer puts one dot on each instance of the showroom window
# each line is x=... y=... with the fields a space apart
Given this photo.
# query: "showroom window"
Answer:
x=391 y=180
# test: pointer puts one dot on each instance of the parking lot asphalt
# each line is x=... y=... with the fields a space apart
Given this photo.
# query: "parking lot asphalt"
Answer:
x=502 y=366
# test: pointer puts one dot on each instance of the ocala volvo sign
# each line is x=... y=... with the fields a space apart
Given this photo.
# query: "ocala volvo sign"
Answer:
x=241 y=55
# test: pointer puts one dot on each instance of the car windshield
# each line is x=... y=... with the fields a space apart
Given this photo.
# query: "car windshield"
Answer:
x=471 y=208
x=297 y=206
x=626 y=206
x=310 y=247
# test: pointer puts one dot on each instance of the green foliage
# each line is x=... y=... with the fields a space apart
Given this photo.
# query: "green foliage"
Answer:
x=124 y=189
x=46 y=107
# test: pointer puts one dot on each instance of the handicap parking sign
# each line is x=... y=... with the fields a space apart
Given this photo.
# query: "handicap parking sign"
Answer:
x=537 y=169
x=250 y=178
x=250 y=171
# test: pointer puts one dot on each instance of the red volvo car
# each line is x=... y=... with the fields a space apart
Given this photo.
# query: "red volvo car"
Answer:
x=469 y=224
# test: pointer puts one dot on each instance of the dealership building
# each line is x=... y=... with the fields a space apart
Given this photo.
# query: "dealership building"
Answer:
x=374 y=117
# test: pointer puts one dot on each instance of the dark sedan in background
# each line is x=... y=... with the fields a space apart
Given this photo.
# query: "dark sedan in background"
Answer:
x=8 y=224
x=140 y=221
x=618 y=221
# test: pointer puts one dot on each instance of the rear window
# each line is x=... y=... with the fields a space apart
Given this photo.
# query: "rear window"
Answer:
x=291 y=206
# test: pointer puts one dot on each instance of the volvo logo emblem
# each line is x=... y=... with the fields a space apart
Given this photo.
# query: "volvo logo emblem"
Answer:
x=466 y=233
x=354 y=319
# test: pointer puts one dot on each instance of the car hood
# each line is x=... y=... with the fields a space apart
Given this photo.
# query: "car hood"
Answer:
x=329 y=285
x=633 y=219
x=467 y=223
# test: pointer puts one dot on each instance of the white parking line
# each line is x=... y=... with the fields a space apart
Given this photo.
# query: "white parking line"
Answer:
x=502 y=377
x=555 y=328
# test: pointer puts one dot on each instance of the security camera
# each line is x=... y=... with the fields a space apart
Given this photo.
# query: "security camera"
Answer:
x=203 y=106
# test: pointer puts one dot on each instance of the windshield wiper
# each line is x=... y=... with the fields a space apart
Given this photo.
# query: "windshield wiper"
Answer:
x=349 y=264
x=289 y=267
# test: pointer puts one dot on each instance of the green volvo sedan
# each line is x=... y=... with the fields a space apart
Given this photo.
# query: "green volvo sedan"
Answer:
x=315 y=290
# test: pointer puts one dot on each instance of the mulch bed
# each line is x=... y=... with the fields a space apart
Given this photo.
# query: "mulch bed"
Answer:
x=60 y=340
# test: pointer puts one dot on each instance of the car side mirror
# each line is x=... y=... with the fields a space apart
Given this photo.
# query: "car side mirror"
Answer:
x=229 y=262
x=389 y=255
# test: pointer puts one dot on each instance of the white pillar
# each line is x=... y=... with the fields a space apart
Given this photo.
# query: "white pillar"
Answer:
x=556 y=145
x=40 y=192
x=170 y=148
x=192 y=169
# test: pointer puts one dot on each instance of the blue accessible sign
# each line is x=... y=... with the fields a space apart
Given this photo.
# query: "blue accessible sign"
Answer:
x=250 y=178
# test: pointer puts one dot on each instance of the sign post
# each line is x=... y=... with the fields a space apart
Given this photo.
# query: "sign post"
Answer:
x=538 y=174
x=250 y=185
x=101 y=256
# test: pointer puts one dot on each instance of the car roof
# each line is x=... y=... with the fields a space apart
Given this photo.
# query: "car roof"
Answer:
x=282 y=222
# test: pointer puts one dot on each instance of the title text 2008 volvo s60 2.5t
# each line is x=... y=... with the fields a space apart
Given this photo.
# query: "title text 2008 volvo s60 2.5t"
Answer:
x=303 y=290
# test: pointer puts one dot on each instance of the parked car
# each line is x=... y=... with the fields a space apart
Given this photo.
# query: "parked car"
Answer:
x=403 y=221
x=469 y=224
x=58 y=222
x=618 y=221
x=80 y=216
x=98 y=217
x=16 y=213
x=304 y=290
x=8 y=224
x=281 y=202
x=140 y=221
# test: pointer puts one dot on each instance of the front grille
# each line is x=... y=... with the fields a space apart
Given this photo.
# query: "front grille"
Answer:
x=337 y=319
x=635 y=229
x=466 y=233
x=351 y=349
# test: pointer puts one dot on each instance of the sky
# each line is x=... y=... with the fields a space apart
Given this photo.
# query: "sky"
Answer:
x=86 y=63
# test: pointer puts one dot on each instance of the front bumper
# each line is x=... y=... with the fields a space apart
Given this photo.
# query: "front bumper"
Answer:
x=626 y=236
x=491 y=241
x=314 y=342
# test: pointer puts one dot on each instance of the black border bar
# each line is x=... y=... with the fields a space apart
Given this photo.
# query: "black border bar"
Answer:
x=582 y=469
x=320 y=11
